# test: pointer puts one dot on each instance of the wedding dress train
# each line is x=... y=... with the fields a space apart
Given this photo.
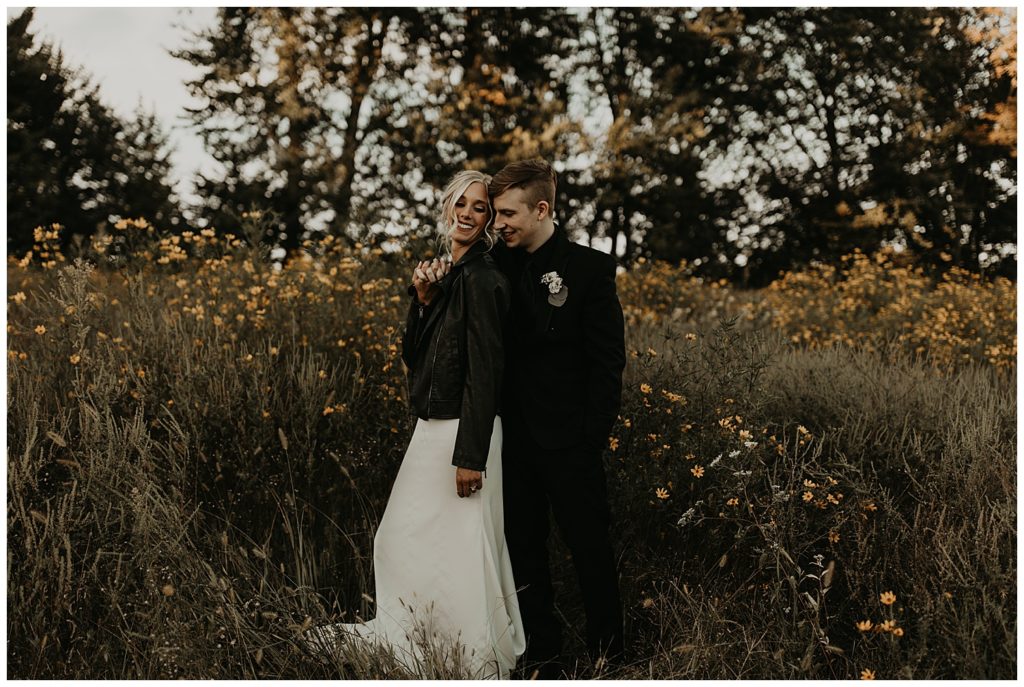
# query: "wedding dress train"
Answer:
x=441 y=569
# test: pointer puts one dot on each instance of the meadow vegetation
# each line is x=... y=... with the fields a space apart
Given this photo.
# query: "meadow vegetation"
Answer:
x=813 y=480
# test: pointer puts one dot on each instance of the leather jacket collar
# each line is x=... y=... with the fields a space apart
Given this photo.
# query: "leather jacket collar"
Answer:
x=475 y=251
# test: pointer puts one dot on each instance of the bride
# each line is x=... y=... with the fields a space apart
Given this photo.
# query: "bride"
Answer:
x=442 y=572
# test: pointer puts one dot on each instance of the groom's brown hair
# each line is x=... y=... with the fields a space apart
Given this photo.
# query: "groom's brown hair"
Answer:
x=536 y=177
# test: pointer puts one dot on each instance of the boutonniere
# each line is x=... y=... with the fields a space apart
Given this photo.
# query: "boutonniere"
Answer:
x=557 y=291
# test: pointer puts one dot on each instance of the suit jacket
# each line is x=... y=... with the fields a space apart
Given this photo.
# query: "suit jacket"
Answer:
x=564 y=372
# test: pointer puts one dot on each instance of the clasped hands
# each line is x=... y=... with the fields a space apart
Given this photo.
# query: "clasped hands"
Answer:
x=425 y=278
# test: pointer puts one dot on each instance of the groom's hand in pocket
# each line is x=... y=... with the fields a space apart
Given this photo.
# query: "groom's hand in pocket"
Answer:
x=468 y=482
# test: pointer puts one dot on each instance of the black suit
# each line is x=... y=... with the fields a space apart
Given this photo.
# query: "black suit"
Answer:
x=561 y=397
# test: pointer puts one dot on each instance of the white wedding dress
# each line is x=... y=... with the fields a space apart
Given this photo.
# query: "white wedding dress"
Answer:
x=441 y=569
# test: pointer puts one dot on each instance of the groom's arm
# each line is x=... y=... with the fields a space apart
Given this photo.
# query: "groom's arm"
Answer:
x=605 y=355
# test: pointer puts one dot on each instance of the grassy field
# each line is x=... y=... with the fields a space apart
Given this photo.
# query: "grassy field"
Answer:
x=815 y=480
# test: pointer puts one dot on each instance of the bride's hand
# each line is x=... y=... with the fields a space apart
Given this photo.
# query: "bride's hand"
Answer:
x=468 y=482
x=425 y=278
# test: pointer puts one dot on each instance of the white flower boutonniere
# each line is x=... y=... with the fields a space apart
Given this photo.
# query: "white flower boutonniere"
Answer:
x=557 y=291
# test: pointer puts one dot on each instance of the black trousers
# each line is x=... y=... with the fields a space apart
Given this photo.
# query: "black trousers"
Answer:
x=571 y=483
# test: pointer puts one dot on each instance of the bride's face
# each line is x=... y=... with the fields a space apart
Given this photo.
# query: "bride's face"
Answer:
x=471 y=214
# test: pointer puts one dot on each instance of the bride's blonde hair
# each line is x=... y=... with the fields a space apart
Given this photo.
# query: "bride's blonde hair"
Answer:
x=456 y=189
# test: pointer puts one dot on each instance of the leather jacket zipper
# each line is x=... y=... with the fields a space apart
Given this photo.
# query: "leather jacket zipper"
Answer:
x=430 y=389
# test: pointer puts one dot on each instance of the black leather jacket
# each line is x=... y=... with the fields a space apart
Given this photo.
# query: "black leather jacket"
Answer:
x=454 y=352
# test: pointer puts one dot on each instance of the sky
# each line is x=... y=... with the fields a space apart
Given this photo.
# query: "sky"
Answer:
x=126 y=51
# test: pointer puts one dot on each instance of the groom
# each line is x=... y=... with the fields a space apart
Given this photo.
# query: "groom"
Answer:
x=563 y=385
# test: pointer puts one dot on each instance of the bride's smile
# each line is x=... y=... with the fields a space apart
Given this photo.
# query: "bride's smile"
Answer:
x=472 y=213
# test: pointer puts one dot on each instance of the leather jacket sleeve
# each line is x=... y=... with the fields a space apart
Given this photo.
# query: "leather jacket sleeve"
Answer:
x=487 y=298
x=605 y=354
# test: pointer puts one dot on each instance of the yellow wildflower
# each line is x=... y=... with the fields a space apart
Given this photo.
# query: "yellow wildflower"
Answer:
x=613 y=443
x=328 y=410
x=645 y=388
x=887 y=598
x=697 y=471
x=75 y=359
x=808 y=496
x=40 y=330
x=867 y=674
x=322 y=374
x=833 y=537
x=864 y=625
x=897 y=631
x=733 y=502
x=661 y=493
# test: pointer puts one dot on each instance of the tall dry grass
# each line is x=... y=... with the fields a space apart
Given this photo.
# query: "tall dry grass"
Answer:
x=200 y=447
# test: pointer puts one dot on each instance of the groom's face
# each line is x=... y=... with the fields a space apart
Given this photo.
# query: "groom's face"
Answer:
x=516 y=220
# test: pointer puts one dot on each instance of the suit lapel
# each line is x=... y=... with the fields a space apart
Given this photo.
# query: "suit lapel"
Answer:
x=559 y=259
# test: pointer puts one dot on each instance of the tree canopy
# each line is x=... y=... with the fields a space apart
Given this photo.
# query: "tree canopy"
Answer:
x=742 y=141
x=70 y=159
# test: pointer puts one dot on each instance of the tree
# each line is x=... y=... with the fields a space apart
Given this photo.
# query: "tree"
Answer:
x=994 y=29
x=839 y=122
x=494 y=89
x=285 y=94
x=658 y=72
x=70 y=159
x=146 y=166
x=956 y=195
